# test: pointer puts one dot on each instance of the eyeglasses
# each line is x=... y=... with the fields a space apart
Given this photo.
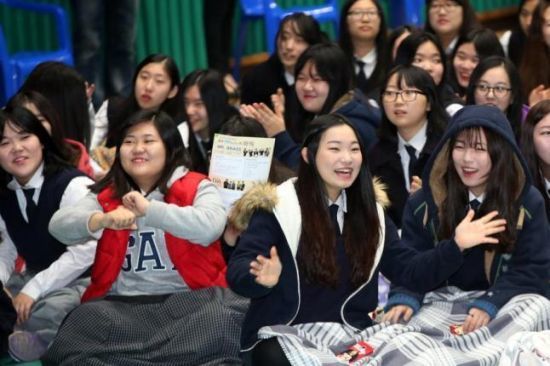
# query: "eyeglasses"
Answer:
x=408 y=95
x=448 y=7
x=358 y=14
x=499 y=90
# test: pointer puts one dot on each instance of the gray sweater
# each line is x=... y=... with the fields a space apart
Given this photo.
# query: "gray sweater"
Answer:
x=147 y=268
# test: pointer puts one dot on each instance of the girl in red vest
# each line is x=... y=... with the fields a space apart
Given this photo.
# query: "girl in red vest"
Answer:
x=158 y=267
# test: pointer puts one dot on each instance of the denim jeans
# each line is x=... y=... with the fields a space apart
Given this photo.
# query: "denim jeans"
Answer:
x=104 y=44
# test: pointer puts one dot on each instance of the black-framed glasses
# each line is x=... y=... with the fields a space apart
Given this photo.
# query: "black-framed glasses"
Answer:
x=359 y=14
x=447 y=6
x=498 y=90
x=407 y=95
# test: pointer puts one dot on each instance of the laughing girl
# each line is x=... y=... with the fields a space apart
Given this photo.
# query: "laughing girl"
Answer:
x=476 y=170
x=158 y=265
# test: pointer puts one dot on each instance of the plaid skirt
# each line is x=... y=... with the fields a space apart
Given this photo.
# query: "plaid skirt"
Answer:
x=426 y=340
x=199 y=327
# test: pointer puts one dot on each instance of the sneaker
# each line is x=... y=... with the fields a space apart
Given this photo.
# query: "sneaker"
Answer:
x=26 y=346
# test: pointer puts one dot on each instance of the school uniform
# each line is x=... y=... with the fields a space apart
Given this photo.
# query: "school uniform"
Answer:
x=165 y=280
x=389 y=160
x=500 y=276
x=52 y=271
x=292 y=301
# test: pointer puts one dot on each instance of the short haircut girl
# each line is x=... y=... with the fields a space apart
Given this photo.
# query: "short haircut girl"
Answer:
x=22 y=119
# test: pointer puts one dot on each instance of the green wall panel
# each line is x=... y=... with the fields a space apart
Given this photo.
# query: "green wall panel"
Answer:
x=173 y=27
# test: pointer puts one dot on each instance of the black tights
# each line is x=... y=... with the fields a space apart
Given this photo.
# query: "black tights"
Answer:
x=269 y=353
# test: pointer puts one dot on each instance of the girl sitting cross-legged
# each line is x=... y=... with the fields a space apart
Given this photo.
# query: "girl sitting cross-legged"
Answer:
x=36 y=179
x=309 y=258
x=158 y=279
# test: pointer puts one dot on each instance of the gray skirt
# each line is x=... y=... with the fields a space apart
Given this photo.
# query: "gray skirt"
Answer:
x=199 y=327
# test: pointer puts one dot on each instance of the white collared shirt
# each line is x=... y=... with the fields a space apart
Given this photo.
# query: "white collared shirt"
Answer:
x=472 y=196
x=547 y=184
x=35 y=183
x=370 y=63
x=71 y=264
x=341 y=201
x=418 y=141
x=289 y=78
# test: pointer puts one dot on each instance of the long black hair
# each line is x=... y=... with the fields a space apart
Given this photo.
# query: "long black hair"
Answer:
x=361 y=231
x=120 y=109
x=65 y=88
x=346 y=43
x=176 y=154
x=503 y=186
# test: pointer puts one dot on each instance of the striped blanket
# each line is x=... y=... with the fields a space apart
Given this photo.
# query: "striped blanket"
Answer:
x=426 y=339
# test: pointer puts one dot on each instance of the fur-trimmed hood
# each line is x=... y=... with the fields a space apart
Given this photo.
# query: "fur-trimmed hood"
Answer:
x=264 y=196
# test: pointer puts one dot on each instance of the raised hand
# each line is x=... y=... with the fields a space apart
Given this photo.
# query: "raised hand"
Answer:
x=270 y=121
x=398 y=313
x=470 y=233
x=135 y=202
x=538 y=94
x=278 y=101
x=476 y=319
x=267 y=270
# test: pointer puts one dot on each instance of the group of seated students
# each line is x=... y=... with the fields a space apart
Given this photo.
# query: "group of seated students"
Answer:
x=422 y=155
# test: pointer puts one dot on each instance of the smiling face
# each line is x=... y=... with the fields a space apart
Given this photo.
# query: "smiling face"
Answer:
x=290 y=45
x=361 y=25
x=495 y=77
x=408 y=117
x=153 y=86
x=143 y=155
x=196 y=111
x=338 y=159
x=541 y=141
x=311 y=89
x=464 y=63
x=427 y=57
x=20 y=153
x=472 y=161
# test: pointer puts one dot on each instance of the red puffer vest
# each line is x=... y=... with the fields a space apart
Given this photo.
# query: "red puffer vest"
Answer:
x=199 y=266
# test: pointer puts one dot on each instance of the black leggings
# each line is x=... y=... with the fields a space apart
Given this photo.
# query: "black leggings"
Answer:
x=269 y=353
